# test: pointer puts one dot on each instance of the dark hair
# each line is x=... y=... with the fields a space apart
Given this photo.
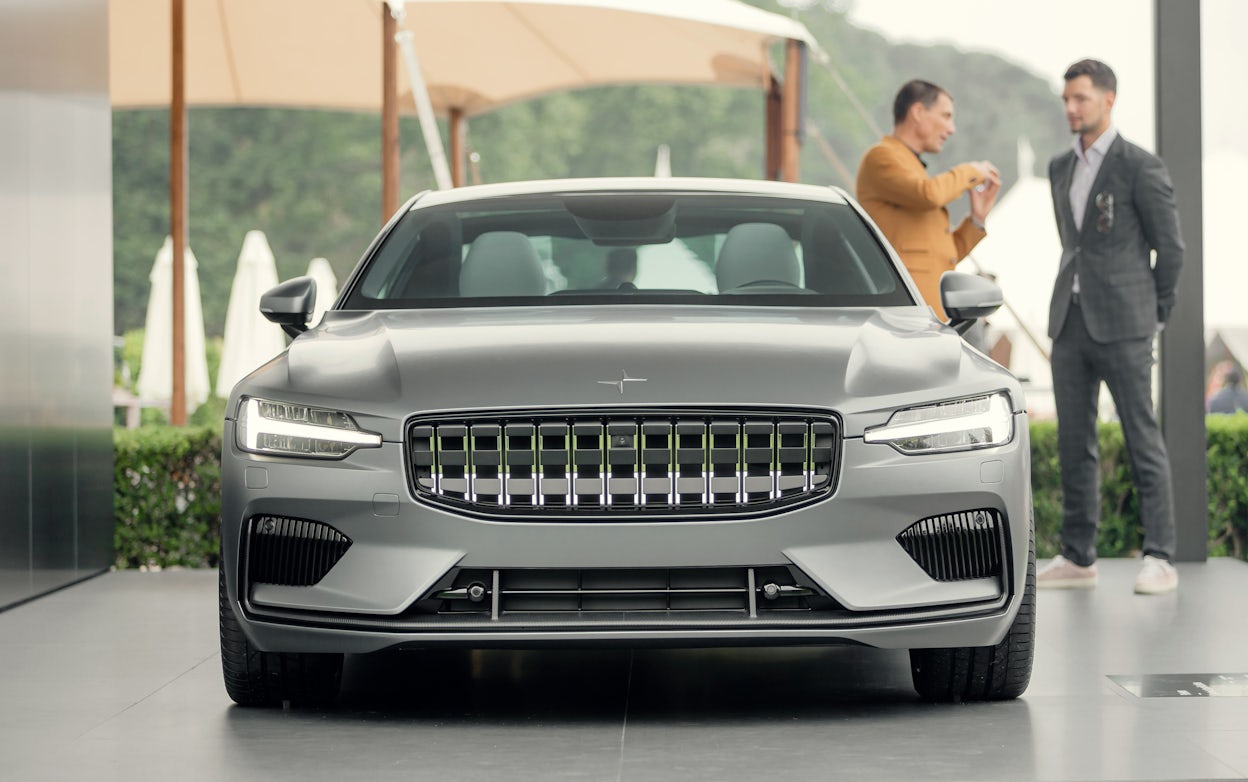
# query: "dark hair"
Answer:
x=912 y=92
x=1102 y=75
x=1234 y=377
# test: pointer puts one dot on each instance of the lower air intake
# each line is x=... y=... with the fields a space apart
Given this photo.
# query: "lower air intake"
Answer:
x=751 y=591
x=956 y=546
x=292 y=552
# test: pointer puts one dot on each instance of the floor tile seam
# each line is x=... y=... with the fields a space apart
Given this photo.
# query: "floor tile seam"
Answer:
x=145 y=698
x=628 y=691
x=1192 y=738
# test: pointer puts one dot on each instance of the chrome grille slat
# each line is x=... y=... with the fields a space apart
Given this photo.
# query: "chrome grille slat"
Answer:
x=623 y=462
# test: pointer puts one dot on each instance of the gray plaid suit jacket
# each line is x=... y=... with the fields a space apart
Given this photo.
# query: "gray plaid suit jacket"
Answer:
x=1130 y=212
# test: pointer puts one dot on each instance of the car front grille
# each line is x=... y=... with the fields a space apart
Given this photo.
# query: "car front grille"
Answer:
x=292 y=552
x=496 y=593
x=623 y=462
x=957 y=546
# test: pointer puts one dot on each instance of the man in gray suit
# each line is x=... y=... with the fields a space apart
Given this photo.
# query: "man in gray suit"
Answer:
x=1115 y=207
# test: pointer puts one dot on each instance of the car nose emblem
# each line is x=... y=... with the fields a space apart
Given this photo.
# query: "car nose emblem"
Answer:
x=624 y=378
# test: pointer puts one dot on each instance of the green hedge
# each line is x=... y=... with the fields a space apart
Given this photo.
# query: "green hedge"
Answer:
x=168 y=493
x=167 y=496
x=1121 y=534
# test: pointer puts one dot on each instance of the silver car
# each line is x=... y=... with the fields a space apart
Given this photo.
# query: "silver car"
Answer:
x=627 y=412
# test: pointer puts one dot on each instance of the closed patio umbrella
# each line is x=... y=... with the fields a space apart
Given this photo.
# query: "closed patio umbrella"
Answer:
x=156 y=372
x=249 y=340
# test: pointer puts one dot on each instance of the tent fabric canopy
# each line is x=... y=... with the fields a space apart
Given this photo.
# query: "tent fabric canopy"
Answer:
x=476 y=55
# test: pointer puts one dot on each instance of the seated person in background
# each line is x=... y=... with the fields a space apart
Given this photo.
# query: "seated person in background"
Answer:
x=621 y=269
x=1231 y=397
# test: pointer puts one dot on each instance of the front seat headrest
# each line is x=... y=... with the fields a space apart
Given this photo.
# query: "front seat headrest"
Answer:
x=754 y=252
x=502 y=263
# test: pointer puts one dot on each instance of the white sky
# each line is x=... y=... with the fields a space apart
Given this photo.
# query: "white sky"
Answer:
x=1047 y=38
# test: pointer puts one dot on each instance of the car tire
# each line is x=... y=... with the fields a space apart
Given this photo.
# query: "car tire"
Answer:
x=983 y=673
x=256 y=678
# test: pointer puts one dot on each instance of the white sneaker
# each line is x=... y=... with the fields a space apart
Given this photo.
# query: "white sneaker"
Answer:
x=1061 y=573
x=1156 y=577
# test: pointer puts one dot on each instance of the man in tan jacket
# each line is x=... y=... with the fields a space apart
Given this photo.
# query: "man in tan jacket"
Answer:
x=909 y=205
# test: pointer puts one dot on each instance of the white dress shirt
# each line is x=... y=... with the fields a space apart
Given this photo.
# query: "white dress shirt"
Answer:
x=1087 y=165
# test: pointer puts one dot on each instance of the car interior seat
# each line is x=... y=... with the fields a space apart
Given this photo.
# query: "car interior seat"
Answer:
x=502 y=263
x=756 y=253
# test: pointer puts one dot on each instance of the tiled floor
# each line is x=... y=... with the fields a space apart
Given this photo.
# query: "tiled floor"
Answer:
x=119 y=678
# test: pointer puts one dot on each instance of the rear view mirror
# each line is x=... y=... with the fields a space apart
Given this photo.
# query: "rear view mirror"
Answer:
x=968 y=297
x=290 y=304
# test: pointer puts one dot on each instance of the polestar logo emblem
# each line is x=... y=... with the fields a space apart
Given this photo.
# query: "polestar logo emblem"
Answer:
x=624 y=378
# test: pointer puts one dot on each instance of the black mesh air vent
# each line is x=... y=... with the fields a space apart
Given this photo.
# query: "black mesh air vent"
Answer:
x=957 y=546
x=669 y=462
x=292 y=552
x=752 y=591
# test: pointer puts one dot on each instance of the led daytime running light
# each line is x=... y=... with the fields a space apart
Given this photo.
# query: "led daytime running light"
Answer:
x=299 y=430
x=965 y=424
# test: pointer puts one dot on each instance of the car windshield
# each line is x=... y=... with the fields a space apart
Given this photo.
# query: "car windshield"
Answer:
x=633 y=247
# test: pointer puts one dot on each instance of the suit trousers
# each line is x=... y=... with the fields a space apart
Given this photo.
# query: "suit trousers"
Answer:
x=1079 y=366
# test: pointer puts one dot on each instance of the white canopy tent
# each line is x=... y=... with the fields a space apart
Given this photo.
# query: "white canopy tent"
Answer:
x=474 y=55
x=156 y=371
x=249 y=339
x=1022 y=249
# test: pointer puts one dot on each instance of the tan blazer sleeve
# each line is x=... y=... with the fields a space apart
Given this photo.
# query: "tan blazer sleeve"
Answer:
x=903 y=185
x=966 y=236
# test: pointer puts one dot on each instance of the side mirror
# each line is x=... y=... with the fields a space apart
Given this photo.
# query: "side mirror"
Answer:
x=290 y=304
x=968 y=297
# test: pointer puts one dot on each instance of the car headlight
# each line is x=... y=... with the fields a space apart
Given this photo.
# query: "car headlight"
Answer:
x=960 y=425
x=299 y=430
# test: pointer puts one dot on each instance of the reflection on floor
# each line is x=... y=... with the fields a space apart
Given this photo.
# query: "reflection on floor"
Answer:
x=119 y=678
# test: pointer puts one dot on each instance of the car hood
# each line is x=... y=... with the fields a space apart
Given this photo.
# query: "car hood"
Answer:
x=386 y=365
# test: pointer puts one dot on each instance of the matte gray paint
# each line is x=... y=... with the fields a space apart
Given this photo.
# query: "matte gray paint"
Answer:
x=384 y=366
x=860 y=364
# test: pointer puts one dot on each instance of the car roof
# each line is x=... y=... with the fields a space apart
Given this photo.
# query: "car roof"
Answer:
x=631 y=184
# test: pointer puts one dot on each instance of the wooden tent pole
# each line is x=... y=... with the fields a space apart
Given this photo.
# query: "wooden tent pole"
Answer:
x=771 y=130
x=389 y=116
x=458 y=127
x=790 y=136
x=178 y=210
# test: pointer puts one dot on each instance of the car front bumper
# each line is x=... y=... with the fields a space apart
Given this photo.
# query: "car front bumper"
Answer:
x=844 y=545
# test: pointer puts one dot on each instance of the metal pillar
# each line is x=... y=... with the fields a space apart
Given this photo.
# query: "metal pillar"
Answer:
x=1177 y=64
x=389 y=116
